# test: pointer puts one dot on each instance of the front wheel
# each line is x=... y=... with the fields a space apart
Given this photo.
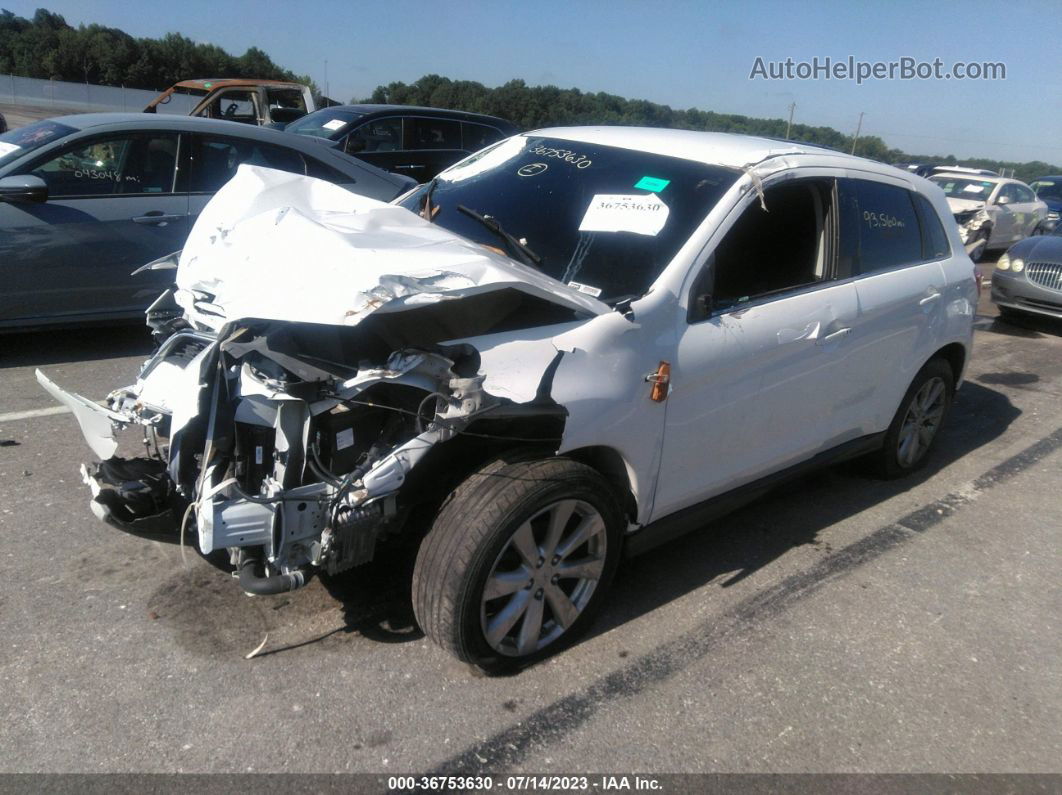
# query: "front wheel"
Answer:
x=917 y=422
x=517 y=561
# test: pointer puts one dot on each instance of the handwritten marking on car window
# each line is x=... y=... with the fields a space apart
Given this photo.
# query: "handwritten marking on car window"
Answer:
x=531 y=169
x=567 y=155
x=882 y=220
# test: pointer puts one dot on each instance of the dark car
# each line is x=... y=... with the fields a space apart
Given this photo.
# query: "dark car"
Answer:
x=1028 y=278
x=1049 y=191
x=87 y=199
x=3 y=124
x=418 y=142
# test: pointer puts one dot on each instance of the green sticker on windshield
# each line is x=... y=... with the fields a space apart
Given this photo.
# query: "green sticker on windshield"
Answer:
x=654 y=184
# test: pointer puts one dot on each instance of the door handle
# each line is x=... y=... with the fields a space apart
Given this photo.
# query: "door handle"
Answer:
x=158 y=218
x=840 y=334
x=933 y=296
x=411 y=165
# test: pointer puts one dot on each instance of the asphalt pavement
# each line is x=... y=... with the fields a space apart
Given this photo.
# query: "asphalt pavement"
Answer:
x=840 y=624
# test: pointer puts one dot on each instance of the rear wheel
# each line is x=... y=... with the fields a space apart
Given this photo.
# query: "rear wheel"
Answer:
x=917 y=422
x=517 y=561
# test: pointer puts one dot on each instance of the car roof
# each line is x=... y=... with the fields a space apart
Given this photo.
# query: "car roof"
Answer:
x=209 y=83
x=978 y=177
x=367 y=108
x=713 y=148
x=158 y=121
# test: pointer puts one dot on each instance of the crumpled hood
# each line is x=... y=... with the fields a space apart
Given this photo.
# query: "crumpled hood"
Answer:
x=279 y=246
x=964 y=205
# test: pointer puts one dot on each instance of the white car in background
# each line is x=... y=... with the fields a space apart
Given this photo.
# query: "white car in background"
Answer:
x=992 y=212
x=575 y=344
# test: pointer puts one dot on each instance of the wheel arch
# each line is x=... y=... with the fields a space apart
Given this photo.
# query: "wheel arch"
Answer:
x=610 y=464
x=955 y=355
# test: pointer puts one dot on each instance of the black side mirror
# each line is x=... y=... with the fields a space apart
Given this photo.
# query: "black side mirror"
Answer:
x=26 y=188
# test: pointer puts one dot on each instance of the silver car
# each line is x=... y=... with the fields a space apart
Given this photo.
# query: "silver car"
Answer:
x=85 y=200
x=992 y=212
x=1028 y=278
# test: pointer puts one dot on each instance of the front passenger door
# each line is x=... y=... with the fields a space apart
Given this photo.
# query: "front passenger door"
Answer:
x=114 y=204
x=758 y=378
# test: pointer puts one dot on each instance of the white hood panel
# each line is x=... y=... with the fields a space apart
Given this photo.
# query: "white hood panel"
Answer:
x=279 y=246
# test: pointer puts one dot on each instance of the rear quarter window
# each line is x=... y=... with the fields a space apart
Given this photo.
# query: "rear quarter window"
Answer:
x=934 y=238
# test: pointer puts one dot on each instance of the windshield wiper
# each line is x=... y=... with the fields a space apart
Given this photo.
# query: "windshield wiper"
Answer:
x=525 y=254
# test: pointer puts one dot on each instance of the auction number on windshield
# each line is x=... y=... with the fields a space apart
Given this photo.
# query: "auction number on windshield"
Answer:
x=567 y=155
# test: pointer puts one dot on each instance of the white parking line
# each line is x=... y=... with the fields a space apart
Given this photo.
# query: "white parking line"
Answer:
x=25 y=415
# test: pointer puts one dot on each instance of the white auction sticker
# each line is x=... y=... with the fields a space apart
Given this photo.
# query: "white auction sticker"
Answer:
x=334 y=124
x=642 y=215
x=345 y=439
x=6 y=148
x=586 y=288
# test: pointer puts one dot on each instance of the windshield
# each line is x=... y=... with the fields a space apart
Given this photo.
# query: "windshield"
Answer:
x=1048 y=189
x=603 y=220
x=16 y=143
x=965 y=188
x=324 y=123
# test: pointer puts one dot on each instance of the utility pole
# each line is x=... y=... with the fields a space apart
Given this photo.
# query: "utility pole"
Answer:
x=859 y=128
x=789 y=126
x=326 y=92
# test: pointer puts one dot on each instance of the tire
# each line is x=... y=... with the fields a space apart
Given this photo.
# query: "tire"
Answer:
x=915 y=428
x=496 y=527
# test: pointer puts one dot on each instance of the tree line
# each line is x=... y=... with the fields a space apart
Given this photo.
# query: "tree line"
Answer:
x=530 y=107
x=49 y=48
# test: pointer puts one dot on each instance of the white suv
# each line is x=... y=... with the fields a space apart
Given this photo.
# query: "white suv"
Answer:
x=573 y=344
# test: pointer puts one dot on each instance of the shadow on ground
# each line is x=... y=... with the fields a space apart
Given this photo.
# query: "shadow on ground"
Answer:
x=61 y=346
x=737 y=546
x=211 y=616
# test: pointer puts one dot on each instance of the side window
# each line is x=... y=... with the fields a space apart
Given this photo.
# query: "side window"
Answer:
x=436 y=134
x=215 y=160
x=379 y=135
x=934 y=239
x=1024 y=194
x=476 y=136
x=780 y=249
x=1006 y=195
x=234 y=105
x=889 y=234
x=113 y=166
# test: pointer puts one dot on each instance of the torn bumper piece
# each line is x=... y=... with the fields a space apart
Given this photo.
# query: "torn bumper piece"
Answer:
x=135 y=496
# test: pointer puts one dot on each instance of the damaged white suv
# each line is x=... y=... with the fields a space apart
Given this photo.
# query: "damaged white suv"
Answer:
x=573 y=344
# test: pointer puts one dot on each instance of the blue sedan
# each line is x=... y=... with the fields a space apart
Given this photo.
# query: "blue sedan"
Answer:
x=86 y=199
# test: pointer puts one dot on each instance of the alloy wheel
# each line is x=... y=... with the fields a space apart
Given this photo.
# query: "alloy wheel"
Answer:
x=921 y=422
x=543 y=578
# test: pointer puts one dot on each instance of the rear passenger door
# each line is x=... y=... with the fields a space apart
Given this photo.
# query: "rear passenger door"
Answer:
x=893 y=243
x=434 y=145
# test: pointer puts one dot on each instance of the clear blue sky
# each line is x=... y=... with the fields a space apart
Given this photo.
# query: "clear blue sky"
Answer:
x=684 y=54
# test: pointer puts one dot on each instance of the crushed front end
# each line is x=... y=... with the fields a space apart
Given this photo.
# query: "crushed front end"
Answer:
x=289 y=403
